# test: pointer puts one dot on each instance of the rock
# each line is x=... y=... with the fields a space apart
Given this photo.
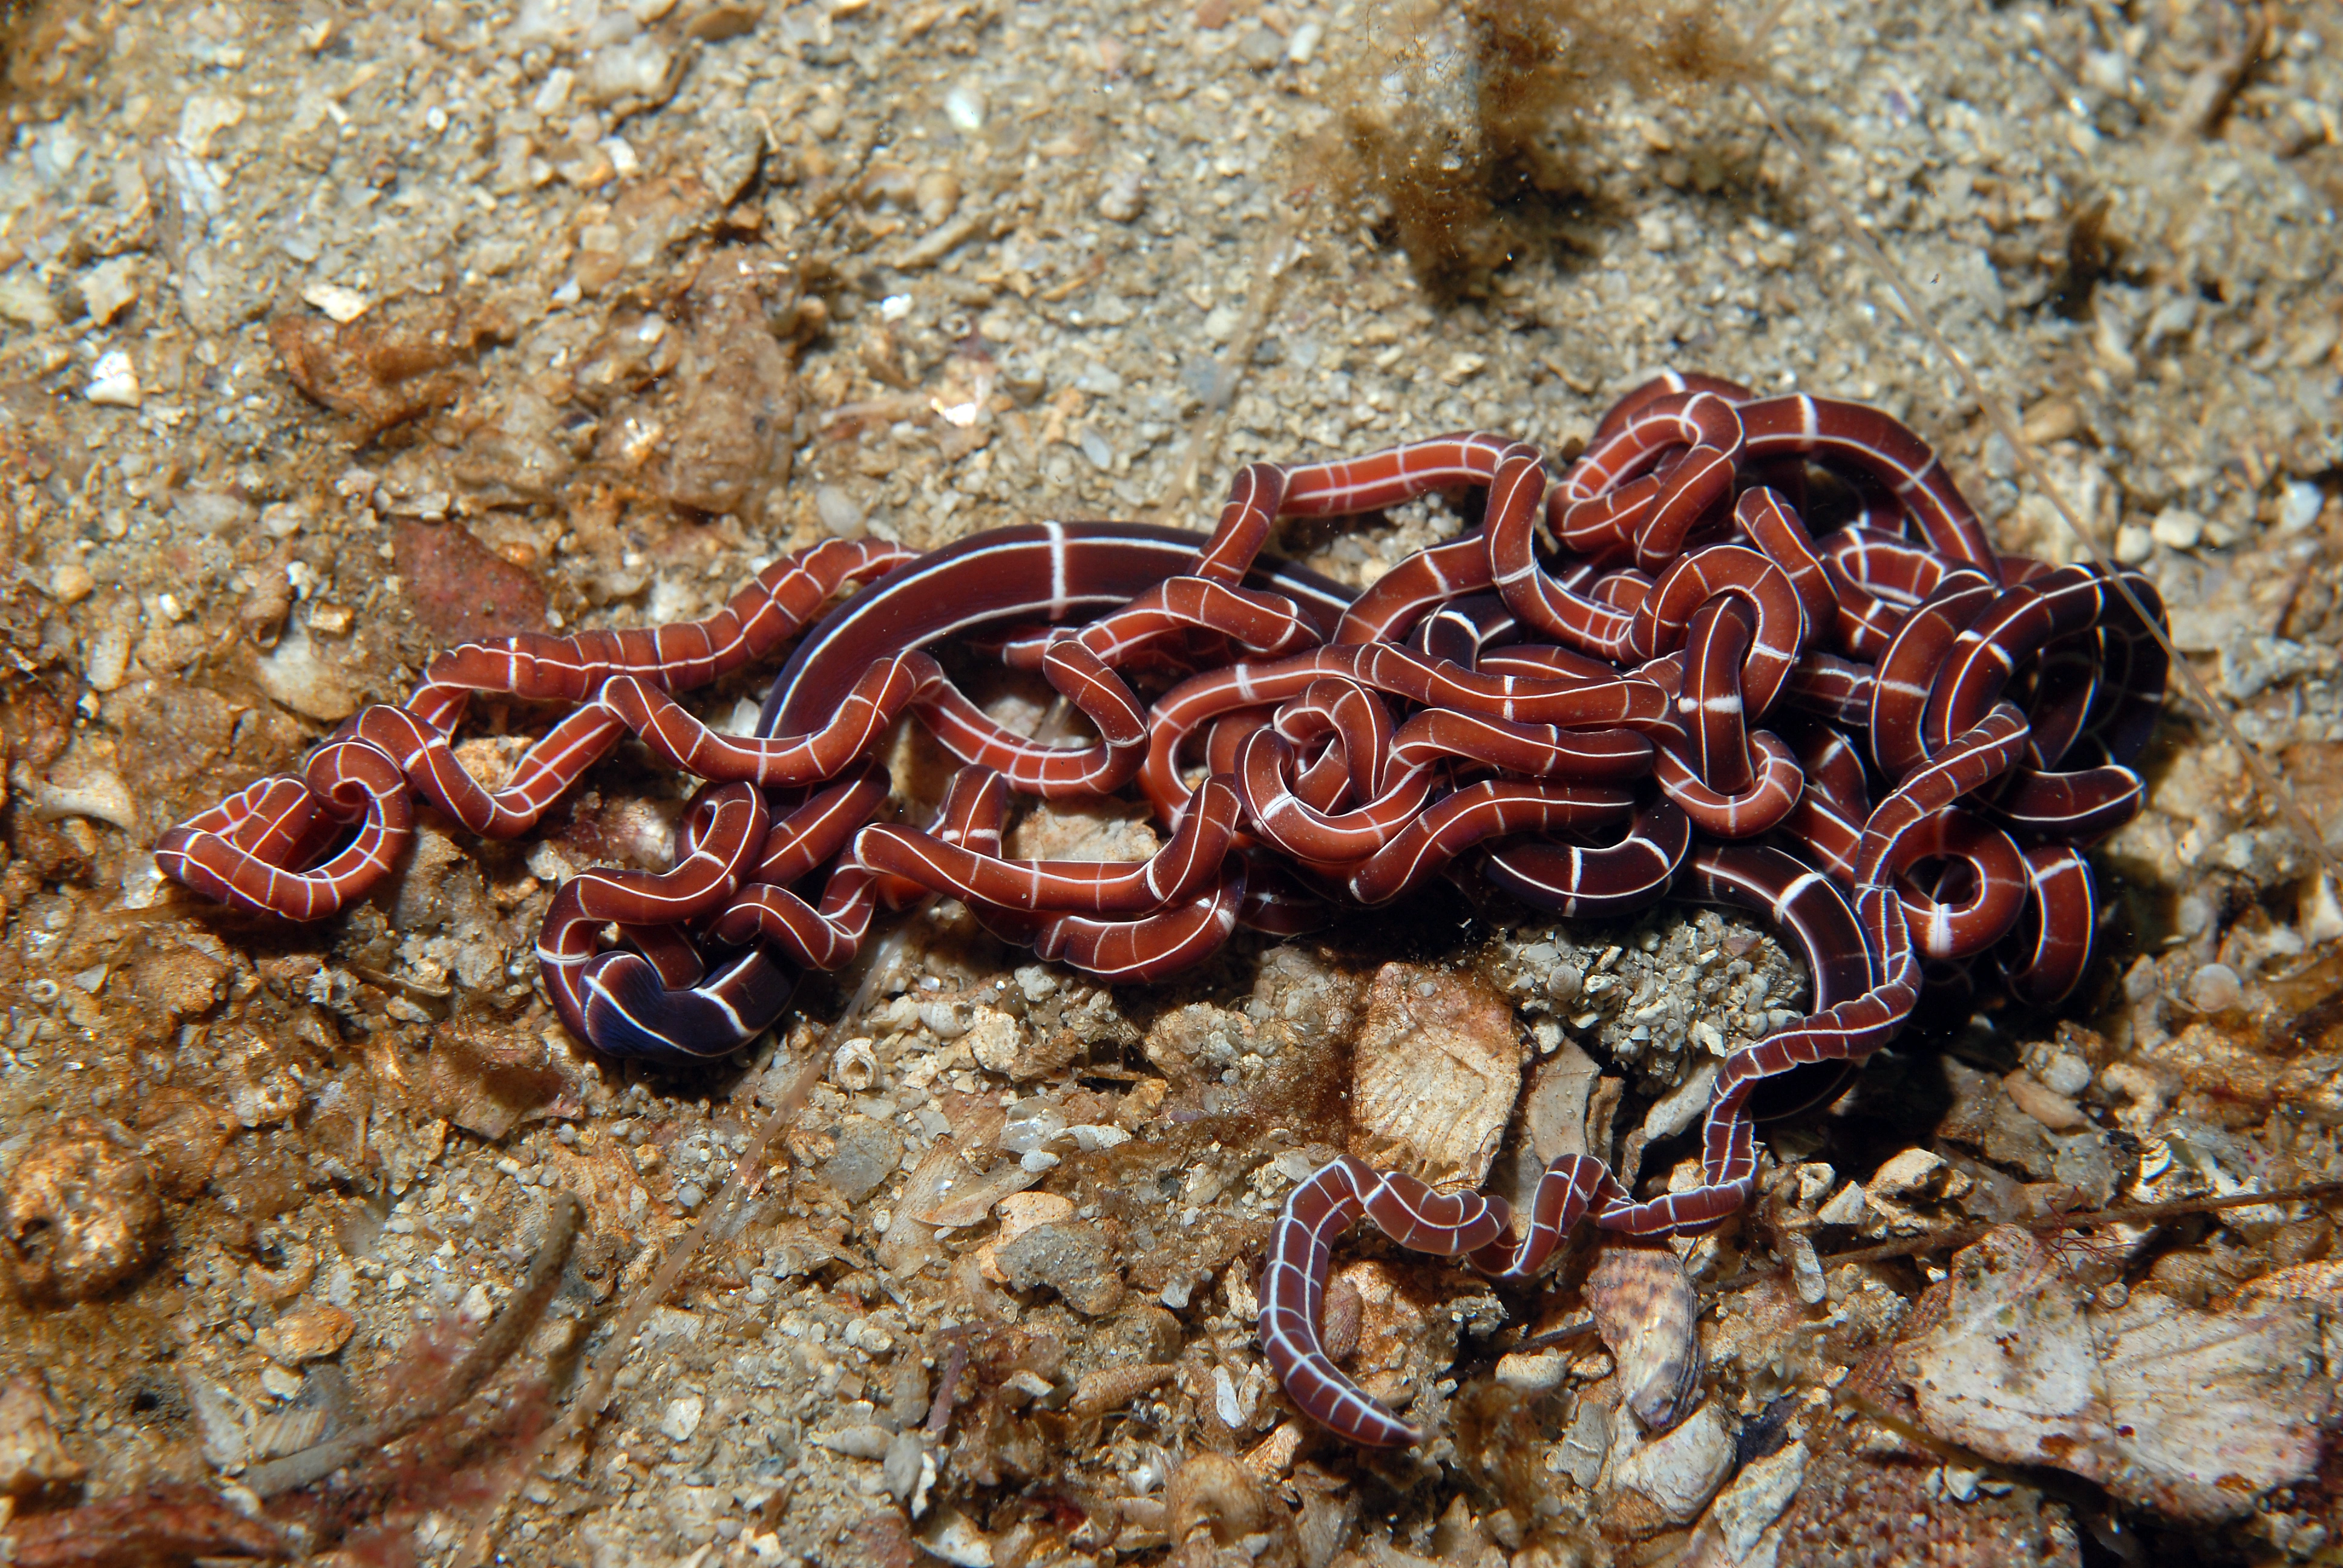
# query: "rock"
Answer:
x=1124 y=198
x=1648 y=1314
x=113 y=381
x=728 y=442
x=1071 y=1258
x=310 y=1332
x=637 y=75
x=2188 y=1412
x=2043 y=1103
x=1435 y=1072
x=1679 y=1470
x=736 y=147
x=1916 y=1173
x=1001 y=1045
x=458 y=589
x=1745 y=1510
x=681 y=1419
x=1260 y=49
x=296 y=675
x=1541 y=1373
x=1021 y=1212
x=78 y=1215
x=1213 y=1494
x=868 y=1153
x=867 y=1441
x=185 y=1134
x=33 y=1462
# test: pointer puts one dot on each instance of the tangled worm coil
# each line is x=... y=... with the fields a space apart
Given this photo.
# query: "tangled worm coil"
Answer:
x=1644 y=675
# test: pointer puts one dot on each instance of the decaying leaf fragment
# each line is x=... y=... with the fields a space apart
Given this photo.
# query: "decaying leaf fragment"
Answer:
x=2191 y=1413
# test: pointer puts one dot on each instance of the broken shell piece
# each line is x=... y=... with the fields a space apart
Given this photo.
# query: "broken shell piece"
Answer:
x=1436 y=1070
x=1023 y=1386
x=1847 y=1206
x=866 y=1440
x=967 y=1200
x=855 y=1068
x=1272 y=1456
x=1214 y=1492
x=955 y=1538
x=1111 y=1388
x=2190 y=1413
x=1391 y=1345
x=1645 y=1311
x=1911 y=1180
x=1020 y=1213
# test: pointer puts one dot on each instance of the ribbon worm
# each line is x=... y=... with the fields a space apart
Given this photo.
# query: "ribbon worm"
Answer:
x=1644 y=674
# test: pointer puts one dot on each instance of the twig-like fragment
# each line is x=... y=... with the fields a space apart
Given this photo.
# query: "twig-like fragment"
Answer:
x=1960 y=1236
x=170 y=1524
x=2212 y=90
x=503 y=1336
x=1568 y=1334
x=948 y=1385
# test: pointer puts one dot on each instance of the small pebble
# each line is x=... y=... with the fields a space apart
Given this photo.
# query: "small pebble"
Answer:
x=1261 y=48
x=2177 y=528
x=32 y=1462
x=937 y=196
x=2215 y=988
x=1539 y=1373
x=1806 y=1272
x=2299 y=506
x=2034 y=1098
x=2133 y=545
x=866 y=1441
x=1124 y=198
x=964 y=108
x=71 y=583
x=344 y=305
x=110 y=288
x=113 y=381
x=2195 y=914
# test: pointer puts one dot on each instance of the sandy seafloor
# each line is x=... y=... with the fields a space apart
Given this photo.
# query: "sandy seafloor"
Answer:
x=640 y=297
